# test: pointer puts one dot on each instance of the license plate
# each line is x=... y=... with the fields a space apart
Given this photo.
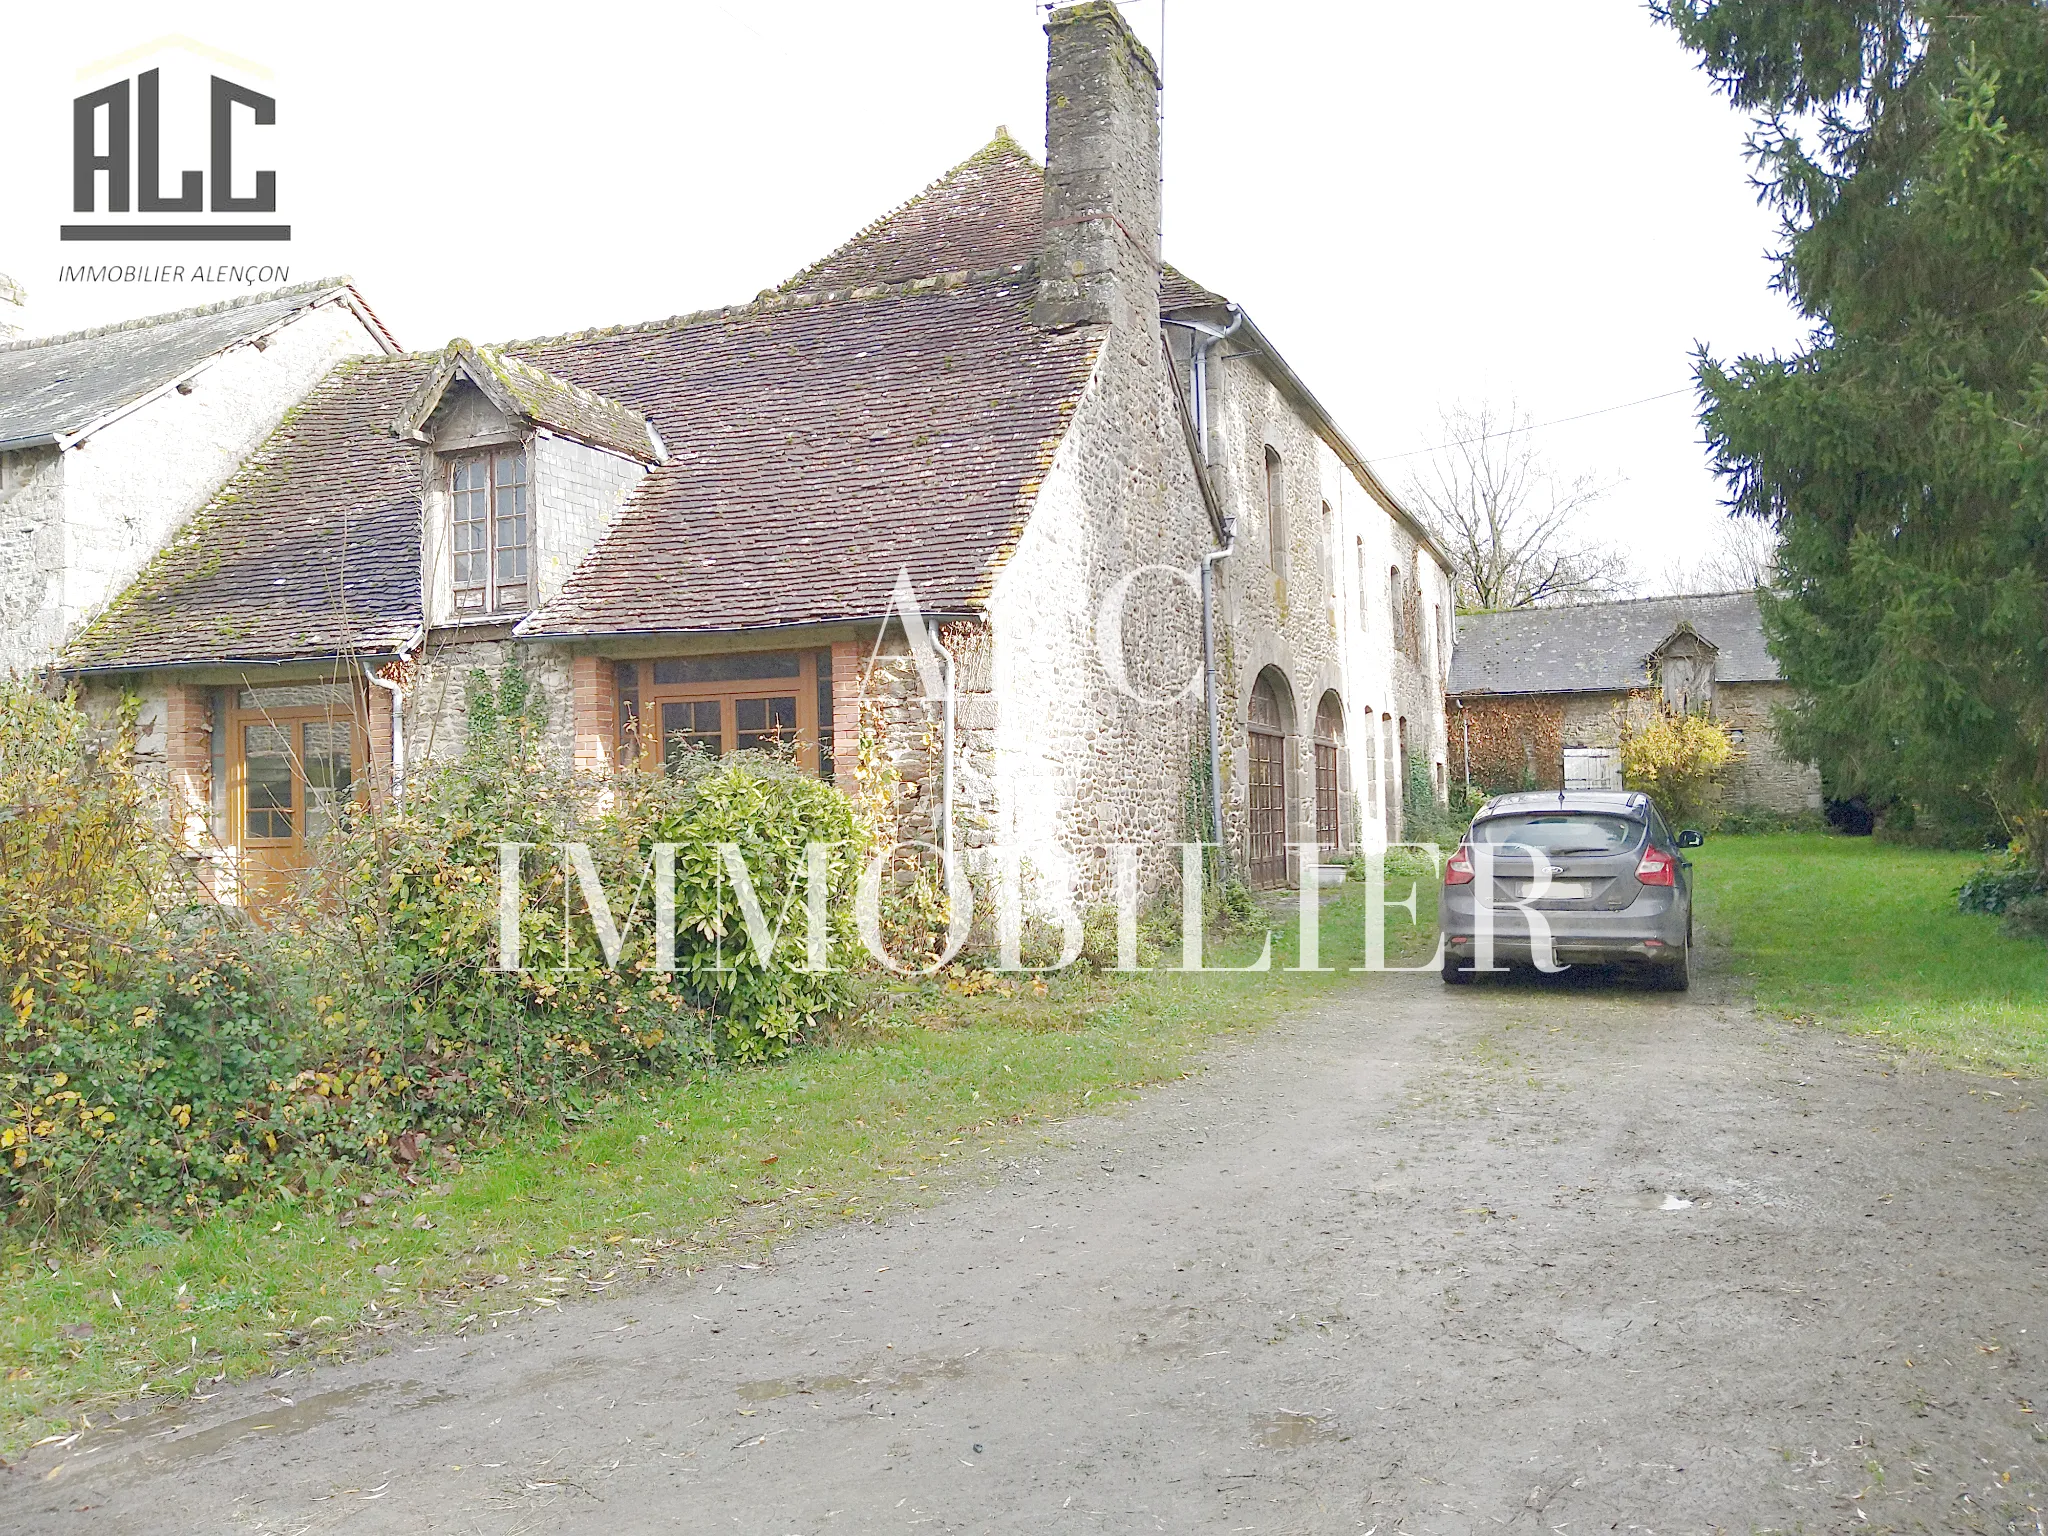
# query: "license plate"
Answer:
x=1557 y=890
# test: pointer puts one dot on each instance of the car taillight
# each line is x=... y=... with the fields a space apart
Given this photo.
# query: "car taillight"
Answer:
x=1459 y=870
x=1657 y=868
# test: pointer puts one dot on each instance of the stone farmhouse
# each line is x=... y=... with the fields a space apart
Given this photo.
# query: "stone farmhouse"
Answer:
x=697 y=533
x=1539 y=696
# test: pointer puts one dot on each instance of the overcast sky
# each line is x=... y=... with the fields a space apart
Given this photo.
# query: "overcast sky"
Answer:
x=1420 y=204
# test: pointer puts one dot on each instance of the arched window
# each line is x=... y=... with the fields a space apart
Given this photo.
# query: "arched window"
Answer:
x=1268 y=718
x=1329 y=759
x=1394 y=604
x=1276 y=518
x=1364 y=586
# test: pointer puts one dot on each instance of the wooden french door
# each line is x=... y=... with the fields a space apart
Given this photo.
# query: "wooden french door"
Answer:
x=296 y=754
x=1329 y=750
x=1268 y=809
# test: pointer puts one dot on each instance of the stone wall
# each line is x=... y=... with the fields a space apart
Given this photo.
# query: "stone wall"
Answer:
x=1763 y=776
x=1327 y=622
x=31 y=557
x=87 y=529
x=1537 y=727
x=435 y=713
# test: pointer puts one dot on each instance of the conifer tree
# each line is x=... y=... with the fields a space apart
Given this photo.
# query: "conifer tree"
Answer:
x=1901 y=454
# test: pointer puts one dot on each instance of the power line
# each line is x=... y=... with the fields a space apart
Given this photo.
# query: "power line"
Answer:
x=1459 y=442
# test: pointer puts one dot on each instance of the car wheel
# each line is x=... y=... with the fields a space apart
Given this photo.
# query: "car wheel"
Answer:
x=1455 y=973
x=1676 y=975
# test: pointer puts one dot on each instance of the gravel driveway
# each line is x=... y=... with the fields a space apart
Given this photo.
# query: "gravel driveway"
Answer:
x=1537 y=1257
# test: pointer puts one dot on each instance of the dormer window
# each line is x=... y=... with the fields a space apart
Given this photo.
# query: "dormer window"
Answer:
x=492 y=531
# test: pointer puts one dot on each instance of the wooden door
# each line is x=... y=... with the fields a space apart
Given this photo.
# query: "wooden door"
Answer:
x=1329 y=752
x=296 y=754
x=1268 y=807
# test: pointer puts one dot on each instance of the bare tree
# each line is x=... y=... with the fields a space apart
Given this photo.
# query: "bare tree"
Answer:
x=1509 y=520
x=1743 y=557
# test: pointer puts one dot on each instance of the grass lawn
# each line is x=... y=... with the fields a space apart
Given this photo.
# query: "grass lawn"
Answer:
x=935 y=1084
x=1865 y=936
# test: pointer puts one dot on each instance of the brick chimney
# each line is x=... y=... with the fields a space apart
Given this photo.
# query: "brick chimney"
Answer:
x=1099 y=264
x=13 y=304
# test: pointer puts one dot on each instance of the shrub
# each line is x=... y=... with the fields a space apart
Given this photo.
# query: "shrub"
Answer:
x=161 y=1053
x=1677 y=760
x=1997 y=888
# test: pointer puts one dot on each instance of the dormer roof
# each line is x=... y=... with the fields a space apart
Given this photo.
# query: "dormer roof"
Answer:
x=530 y=394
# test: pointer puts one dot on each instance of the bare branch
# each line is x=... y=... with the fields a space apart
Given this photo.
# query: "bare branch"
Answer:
x=1510 y=521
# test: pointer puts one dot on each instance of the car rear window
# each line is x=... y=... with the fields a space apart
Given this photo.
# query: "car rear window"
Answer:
x=1561 y=832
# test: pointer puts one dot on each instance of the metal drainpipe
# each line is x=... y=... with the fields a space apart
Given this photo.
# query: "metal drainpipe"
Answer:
x=1214 y=700
x=946 y=791
x=1209 y=336
x=397 y=692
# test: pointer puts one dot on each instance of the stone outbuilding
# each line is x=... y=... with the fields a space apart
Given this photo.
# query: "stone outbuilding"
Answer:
x=1136 y=544
x=1538 y=697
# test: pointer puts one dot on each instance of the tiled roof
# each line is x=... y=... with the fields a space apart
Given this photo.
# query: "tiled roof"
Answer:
x=1179 y=291
x=55 y=386
x=313 y=548
x=534 y=395
x=984 y=215
x=1604 y=647
x=817 y=444
x=987 y=214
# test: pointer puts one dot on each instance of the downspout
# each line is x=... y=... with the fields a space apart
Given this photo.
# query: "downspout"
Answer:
x=397 y=692
x=1208 y=336
x=946 y=781
x=1214 y=700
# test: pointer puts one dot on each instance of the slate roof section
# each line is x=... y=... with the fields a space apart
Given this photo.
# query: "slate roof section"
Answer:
x=1605 y=647
x=312 y=549
x=57 y=387
x=537 y=397
x=816 y=447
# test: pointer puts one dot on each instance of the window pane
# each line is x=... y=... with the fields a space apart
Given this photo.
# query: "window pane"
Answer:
x=1562 y=831
x=329 y=758
x=745 y=667
x=267 y=777
x=469 y=528
x=690 y=725
x=764 y=725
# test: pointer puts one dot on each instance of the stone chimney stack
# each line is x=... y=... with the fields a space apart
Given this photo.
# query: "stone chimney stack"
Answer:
x=1099 y=264
x=13 y=303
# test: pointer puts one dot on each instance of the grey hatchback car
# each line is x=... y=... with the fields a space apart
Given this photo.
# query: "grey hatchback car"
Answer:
x=1598 y=869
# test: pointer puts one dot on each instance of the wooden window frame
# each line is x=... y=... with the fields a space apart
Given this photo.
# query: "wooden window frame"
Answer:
x=496 y=594
x=650 y=741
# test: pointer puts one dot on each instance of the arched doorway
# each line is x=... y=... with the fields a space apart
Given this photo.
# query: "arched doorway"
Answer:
x=1268 y=719
x=1329 y=745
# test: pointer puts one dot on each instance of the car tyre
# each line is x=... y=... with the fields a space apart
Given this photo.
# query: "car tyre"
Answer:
x=1676 y=975
x=1455 y=973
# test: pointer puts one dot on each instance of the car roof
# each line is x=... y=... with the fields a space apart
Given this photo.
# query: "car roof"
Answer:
x=1631 y=803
